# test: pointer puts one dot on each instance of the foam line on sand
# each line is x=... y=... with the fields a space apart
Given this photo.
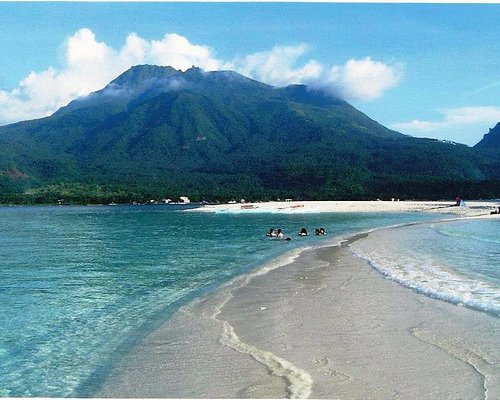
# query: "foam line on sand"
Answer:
x=299 y=382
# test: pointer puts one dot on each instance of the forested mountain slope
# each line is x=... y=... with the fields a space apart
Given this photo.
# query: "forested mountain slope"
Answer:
x=158 y=132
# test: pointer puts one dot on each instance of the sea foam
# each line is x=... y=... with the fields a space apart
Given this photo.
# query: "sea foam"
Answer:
x=416 y=257
x=299 y=381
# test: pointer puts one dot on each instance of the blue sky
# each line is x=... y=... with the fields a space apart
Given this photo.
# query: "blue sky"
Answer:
x=430 y=70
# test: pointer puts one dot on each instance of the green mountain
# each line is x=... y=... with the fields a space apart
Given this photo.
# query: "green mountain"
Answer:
x=158 y=132
x=489 y=148
x=491 y=140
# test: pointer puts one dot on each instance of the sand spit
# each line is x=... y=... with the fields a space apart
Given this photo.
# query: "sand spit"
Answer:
x=472 y=208
x=318 y=323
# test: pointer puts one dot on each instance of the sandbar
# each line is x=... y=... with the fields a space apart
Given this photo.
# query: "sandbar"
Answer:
x=470 y=208
x=317 y=323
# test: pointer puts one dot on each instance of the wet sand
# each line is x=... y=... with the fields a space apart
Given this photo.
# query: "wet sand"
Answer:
x=322 y=325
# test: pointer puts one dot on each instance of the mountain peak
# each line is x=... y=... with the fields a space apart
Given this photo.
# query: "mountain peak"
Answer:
x=491 y=140
x=141 y=82
x=141 y=72
x=137 y=82
x=194 y=70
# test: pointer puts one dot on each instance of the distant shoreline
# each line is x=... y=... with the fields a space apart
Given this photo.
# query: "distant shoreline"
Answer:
x=472 y=208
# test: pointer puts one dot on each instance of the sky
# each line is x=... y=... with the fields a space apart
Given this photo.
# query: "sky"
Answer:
x=427 y=70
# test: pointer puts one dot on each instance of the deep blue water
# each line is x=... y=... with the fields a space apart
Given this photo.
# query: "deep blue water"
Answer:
x=80 y=285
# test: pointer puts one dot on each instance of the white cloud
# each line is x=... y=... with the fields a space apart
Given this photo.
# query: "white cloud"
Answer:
x=356 y=80
x=364 y=79
x=471 y=115
x=177 y=51
x=135 y=50
x=462 y=124
x=88 y=65
x=276 y=67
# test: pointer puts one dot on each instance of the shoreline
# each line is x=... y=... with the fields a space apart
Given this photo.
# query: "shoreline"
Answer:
x=316 y=322
x=472 y=208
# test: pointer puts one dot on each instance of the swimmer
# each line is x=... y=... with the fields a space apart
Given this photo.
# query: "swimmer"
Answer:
x=271 y=233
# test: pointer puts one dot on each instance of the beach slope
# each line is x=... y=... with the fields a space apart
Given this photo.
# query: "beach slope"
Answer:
x=322 y=325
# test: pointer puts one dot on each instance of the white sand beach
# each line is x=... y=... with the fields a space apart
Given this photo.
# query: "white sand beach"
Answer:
x=472 y=208
x=320 y=323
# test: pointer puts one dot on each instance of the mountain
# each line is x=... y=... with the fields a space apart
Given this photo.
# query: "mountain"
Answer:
x=158 y=132
x=491 y=140
x=489 y=149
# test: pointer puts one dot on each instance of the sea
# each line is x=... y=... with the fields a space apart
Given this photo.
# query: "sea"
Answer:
x=457 y=261
x=80 y=286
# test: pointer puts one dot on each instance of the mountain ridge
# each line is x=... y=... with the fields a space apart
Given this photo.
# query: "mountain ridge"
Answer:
x=219 y=135
x=491 y=140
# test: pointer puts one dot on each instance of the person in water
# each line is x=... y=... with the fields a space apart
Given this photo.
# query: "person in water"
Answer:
x=277 y=234
x=320 y=231
x=303 y=232
x=271 y=233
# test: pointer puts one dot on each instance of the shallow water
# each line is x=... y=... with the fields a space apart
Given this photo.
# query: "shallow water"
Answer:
x=455 y=261
x=78 y=283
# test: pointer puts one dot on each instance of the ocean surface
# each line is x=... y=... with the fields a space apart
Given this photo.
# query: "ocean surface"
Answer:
x=79 y=286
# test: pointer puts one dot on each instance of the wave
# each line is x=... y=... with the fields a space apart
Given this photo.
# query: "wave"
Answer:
x=397 y=254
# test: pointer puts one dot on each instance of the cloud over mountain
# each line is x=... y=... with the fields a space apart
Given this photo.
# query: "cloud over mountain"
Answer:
x=278 y=66
x=88 y=65
x=364 y=79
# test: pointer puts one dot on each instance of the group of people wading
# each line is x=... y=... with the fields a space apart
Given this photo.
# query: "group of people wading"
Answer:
x=278 y=234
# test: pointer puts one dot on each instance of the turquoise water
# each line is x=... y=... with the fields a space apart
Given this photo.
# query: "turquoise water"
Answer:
x=455 y=261
x=80 y=285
